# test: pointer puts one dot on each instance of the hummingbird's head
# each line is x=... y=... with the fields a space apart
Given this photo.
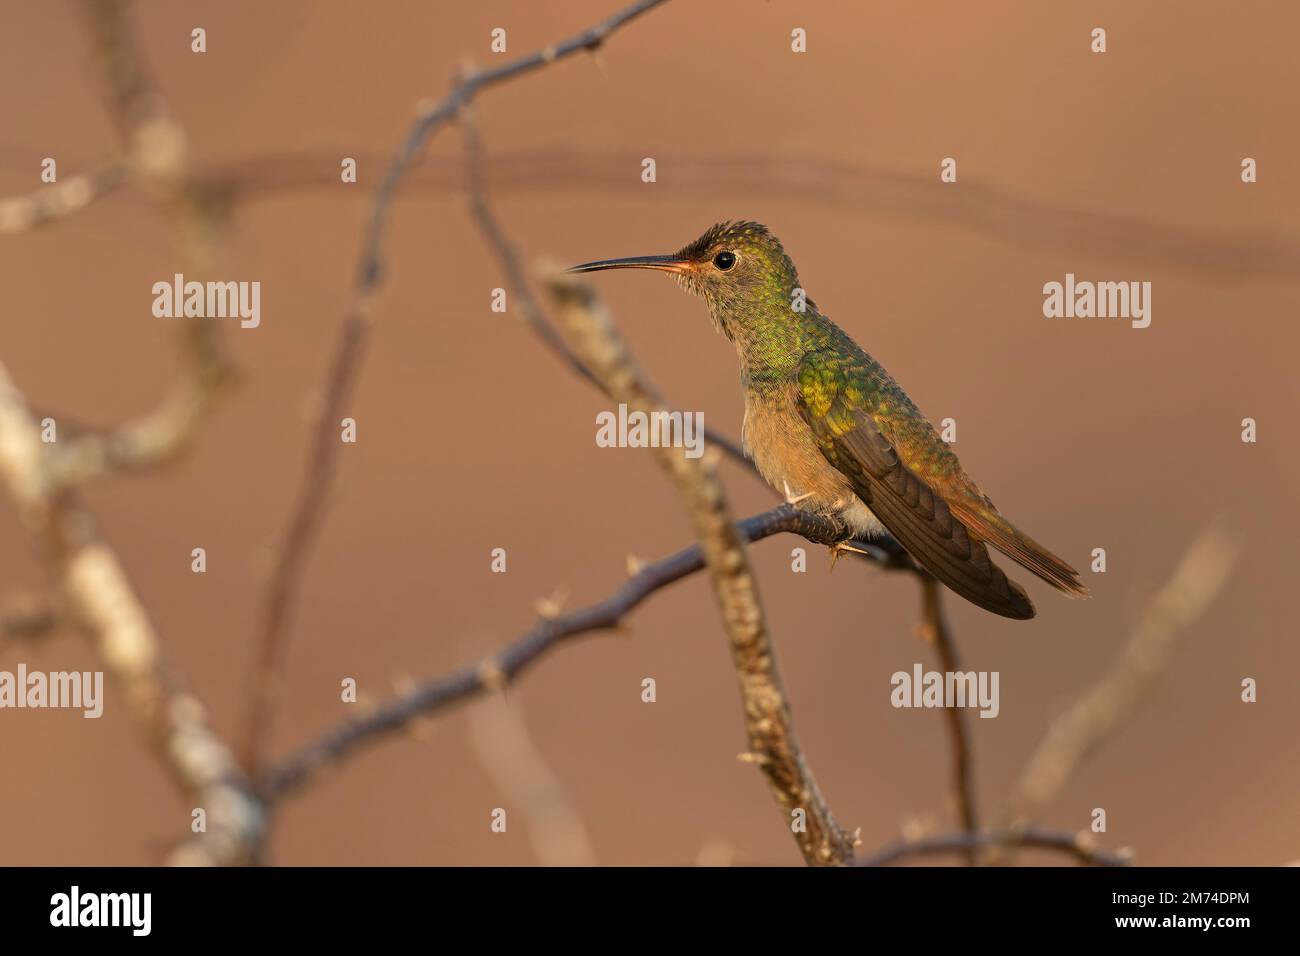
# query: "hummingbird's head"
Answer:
x=738 y=268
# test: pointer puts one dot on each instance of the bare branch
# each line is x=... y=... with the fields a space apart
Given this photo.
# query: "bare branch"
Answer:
x=1078 y=845
x=555 y=830
x=1201 y=254
x=272 y=639
x=26 y=619
x=158 y=150
x=59 y=200
x=157 y=146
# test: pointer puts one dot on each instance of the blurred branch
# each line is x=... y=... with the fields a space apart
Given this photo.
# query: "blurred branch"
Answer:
x=990 y=211
x=271 y=646
x=158 y=151
x=161 y=435
x=59 y=200
x=773 y=745
x=1097 y=714
x=26 y=619
x=103 y=604
x=1078 y=845
x=99 y=596
x=272 y=638
x=934 y=627
x=556 y=831
x=133 y=100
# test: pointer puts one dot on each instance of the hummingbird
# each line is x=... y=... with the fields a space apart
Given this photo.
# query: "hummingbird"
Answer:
x=826 y=425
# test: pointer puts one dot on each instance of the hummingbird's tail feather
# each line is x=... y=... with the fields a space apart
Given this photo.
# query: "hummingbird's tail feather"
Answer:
x=940 y=543
x=990 y=526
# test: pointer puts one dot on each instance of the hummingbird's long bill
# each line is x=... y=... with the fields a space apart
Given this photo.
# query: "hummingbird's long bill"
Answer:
x=662 y=263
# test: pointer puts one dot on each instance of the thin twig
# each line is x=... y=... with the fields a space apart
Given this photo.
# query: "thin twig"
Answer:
x=26 y=619
x=272 y=638
x=1078 y=845
x=935 y=628
x=132 y=99
x=60 y=199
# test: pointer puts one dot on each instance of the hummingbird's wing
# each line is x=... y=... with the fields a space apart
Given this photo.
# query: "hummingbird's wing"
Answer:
x=834 y=397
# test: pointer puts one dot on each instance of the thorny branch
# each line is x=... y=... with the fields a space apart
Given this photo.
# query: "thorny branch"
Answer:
x=506 y=665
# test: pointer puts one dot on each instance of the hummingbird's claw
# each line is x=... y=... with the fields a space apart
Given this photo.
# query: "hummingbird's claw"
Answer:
x=842 y=547
x=790 y=497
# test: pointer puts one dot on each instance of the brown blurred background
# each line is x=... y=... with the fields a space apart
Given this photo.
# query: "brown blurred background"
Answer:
x=1087 y=433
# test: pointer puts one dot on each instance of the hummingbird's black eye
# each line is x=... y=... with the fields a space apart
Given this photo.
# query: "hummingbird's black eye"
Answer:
x=724 y=260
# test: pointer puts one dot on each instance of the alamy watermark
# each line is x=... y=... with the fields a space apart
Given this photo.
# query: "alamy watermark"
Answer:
x=77 y=690
x=922 y=688
x=659 y=429
x=209 y=300
x=1102 y=300
x=130 y=910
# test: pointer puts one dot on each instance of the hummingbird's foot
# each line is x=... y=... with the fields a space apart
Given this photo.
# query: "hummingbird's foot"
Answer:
x=790 y=497
x=843 y=547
